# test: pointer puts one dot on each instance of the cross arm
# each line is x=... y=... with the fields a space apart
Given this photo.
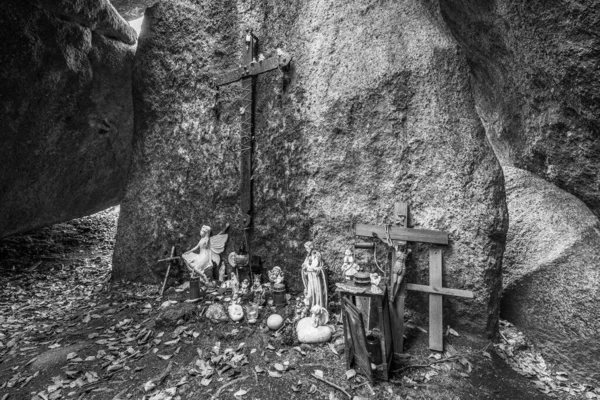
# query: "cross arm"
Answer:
x=405 y=234
x=254 y=68
x=439 y=290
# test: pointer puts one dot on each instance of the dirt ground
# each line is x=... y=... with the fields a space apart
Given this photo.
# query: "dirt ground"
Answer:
x=68 y=332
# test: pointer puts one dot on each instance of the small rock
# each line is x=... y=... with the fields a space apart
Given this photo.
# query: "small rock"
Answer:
x=236 y=312
x=307 y=333
x=216 y=312
x=275 y=321
x=172 y=314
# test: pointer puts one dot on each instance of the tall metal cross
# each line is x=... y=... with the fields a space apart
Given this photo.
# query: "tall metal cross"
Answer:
x=247 y=72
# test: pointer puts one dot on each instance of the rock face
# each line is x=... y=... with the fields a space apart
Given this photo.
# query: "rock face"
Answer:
x=66 y=118
x=132 y=9
x=552 y=272
x=375 y=108
x=536 y=79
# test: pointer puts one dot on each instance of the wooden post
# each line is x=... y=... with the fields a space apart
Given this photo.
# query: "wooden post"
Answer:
x=397 y=303
x=436 y=325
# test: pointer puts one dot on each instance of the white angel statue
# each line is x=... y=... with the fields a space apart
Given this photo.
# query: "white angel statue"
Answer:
x=209 y=249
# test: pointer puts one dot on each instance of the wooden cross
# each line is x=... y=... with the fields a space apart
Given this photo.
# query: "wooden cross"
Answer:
x=247 y=72
x=435 y=289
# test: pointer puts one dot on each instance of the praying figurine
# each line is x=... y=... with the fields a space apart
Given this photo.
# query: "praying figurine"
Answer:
x=349 y=267
x=276 y=275
x=201 y=263
x=313 y=277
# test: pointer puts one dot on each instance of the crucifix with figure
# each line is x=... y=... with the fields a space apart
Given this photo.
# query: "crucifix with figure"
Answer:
x=247 y=72
x=398 y=235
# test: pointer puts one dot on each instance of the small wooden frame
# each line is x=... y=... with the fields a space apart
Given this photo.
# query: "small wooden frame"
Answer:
x=355 y=334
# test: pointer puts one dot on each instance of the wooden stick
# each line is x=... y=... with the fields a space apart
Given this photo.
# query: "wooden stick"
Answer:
x=233 y=382
x=452 y=358
x=332 y=385
x=162 y=290
x=169 y=259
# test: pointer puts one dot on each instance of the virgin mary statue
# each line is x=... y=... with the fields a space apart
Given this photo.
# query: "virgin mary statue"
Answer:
x=313 y=277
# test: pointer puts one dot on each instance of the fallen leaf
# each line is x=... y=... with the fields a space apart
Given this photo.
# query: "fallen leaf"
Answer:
x=313 y=388
x=240 y=393
x=148 y=386
x=205 y=381
x=333 y=350
x=350 y=374
x=258 y=369
x=274 y=374
x=279 y=367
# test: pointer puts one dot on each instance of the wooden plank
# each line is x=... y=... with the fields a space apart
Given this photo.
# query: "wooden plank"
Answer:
x=359 y=340
x=439 y=290
x=406 y=234
x=436 y=323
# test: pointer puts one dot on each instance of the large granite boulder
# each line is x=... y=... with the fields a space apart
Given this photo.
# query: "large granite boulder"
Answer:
x=552 y=272
x=66 y=115
x=376 y=107
x=536 y=80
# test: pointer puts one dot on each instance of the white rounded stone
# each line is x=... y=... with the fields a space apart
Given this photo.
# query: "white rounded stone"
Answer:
x=307 y=333
x=275 y=321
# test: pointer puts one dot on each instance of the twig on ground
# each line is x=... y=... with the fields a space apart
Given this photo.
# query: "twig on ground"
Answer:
x=332 y=385
x=452 y=358
x=158 y=379
x=233 y=382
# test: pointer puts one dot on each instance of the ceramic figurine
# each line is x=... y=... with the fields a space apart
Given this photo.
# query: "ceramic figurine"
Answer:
x=299 y=309
x=245 y=287
x=276 y=275
x=349 y=267
x=257 y=289
x=313 y=277
x=222 y=272
x=209 y=249
x=235 y=287
x=252 y=312
x=319 y=316
x=375 y=280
